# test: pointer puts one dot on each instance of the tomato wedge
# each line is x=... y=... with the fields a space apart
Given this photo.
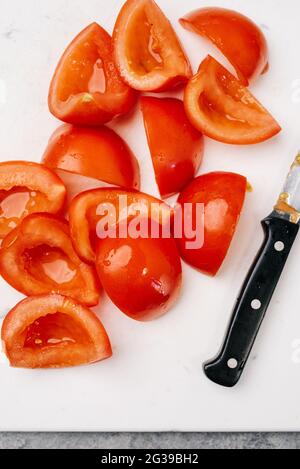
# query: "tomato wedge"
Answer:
x=223 y=196
x=176 y=146
x=222 y=108
x=86 y=88
x=148 y=53
x=239 y=39
x=38 y=258
x=142 y=277
x=27 y=188
x=95 y=153
x=84 y=214
x=53 y=331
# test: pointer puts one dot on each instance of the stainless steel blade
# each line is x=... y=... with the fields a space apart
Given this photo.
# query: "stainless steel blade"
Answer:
x=289 y=200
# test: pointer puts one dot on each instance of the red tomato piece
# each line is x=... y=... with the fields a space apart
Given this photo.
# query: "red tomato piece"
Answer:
x=176 y=146
x=86 y=88
x=27 y=188
x=222 y=108
x=38 y=258
x=148 y=53
x=141 y=276
x=95 y=153
x=223 y=196
x=83 y=215
x=239 y=39
x=53 y=331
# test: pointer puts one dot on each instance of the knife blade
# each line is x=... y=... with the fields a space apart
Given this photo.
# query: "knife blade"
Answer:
x=280 y=229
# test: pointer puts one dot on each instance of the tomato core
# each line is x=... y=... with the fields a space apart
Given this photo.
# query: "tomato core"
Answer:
x=52 y=264
x=17 y=202
x=146 y=56
x=97 y=82
x=86 y=70
x=54 y=329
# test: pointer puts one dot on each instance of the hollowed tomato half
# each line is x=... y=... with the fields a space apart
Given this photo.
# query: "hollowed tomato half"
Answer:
x=148 y=53
x=224 y=109
x=27 y=188
x=38 y=258
x=53 y=331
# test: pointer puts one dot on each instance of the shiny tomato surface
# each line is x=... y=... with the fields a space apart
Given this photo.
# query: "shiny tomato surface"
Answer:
x=238 y=38
x=85 y=213
x=86 y=88
x=222 y=195
x=176 y=146
x=141 y=276
x=27 y=188
x=95 y=153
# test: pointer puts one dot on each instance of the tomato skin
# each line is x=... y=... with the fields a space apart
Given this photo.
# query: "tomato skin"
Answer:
x=176 y=146
x=38 y=258
x=155 y=61
x=92 y=344
x=217 y=104
x=223 y=196
x=95 y=153
x=141 y=276
x=27 y=188
x=83 y=219
x=86 y=88
x=238 y=38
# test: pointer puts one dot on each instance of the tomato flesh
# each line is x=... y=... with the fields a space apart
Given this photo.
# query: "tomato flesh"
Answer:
x=39 y=258
x=222 y=195
x=148 y=53
x=141 y=276
x=95 y=153
x=238 y=38
x=50 y=264
x=27 y=188
x=218 y=104
x=83 y=215
x=53 y=331
x=176 y=146
x=86 y=88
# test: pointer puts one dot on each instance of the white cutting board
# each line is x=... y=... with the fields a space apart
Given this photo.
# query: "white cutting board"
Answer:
x=155 y=381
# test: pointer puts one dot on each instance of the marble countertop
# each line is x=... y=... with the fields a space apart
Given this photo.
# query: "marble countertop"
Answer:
x=149 y=440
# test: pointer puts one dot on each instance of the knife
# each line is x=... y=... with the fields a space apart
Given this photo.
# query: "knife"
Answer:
x=280 y=229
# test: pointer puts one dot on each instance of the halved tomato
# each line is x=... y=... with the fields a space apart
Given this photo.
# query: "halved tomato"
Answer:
x=84 y=214
x=238 y=38
x=27 y=188
x=38 y=258
x=53 y=331
x=148 y=53
x=222 y=195
x=176 y=146
x=141 y=276
x=86 y=88
x=95 y=153
x=222 y=108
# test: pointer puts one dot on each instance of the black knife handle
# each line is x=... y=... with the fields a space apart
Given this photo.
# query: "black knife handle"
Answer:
x=253 y=301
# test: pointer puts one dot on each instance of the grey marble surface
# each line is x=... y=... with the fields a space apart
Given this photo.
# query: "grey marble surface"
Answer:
x=150 y=440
